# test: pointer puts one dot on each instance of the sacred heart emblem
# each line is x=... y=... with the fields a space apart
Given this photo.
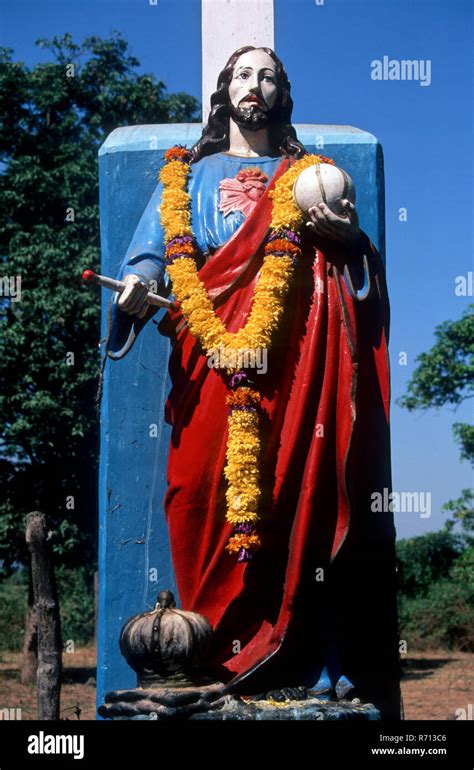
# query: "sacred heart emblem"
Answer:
x=242 y=192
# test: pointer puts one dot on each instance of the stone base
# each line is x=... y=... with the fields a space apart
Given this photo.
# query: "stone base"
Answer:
x=210 y=702
x=311 y=709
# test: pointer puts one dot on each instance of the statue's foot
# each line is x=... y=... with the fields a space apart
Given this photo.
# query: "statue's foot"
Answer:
x=333 y=687
x=323 y=690
x=344 y=689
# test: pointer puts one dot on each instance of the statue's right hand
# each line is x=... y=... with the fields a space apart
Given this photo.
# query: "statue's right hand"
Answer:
x=132 y=299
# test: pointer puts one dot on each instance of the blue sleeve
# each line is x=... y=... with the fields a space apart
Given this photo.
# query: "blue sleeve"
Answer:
x=145 y=255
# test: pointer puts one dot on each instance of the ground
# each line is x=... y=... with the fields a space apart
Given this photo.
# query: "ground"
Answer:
x=437 y=683
x=77 y=692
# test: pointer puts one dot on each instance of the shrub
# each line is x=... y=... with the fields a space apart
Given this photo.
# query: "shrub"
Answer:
x=13 y=598
x=444 y=616
x=76 y=603
x=76 y=606
x=425 y=559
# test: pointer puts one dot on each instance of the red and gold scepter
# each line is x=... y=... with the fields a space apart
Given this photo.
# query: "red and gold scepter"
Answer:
x=89 y=277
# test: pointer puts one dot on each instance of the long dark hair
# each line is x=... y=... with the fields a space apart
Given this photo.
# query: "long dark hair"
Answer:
x=282 y=135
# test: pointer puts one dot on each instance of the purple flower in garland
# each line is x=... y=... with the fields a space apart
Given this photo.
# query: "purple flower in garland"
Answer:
x=242 y=408
x=285 y=254
x=239 y=379
x=289 y=235
x=180 y=239
x=244 y=555
x=244 y=528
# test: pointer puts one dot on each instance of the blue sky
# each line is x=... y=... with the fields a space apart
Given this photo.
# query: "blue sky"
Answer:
x=426 y=133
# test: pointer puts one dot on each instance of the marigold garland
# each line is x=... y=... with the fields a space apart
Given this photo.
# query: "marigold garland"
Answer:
x=241 y=471
x=282 y=251
x=243 y=397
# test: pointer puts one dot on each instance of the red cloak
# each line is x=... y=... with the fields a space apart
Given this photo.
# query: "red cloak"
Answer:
x=325 y=449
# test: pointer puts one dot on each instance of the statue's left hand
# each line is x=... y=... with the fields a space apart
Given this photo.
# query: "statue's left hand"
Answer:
x=344 y=229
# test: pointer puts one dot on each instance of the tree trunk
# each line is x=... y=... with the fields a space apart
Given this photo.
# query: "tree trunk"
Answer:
x=29 y=664
x=47 y=612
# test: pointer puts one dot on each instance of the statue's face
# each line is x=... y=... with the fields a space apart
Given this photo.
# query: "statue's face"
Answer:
x=253 y=89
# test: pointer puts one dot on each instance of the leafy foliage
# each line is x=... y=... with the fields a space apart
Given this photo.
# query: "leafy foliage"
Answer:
x=425 y=559
x=76 y=603
x=444 y=615
x=445 y=375
x=463 y=513
x=464 y=436
x=76 y=606
x=436 y=600
x=436 y=577
x=13 y=600
x=53 y=119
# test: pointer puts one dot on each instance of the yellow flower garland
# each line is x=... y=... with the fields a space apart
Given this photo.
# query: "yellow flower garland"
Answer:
x=241 y=471
x=243 y=442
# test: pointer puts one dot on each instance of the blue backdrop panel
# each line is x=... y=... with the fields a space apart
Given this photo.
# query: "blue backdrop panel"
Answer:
x=134 y=558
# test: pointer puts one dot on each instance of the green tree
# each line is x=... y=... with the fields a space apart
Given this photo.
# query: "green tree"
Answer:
x=445 y=376
x=53 y=118
x=425 y=559
x=435 y=569
x=440 y=613
x=463 y=513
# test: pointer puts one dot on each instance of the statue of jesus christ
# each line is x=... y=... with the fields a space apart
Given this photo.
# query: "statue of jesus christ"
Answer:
x=314 y=605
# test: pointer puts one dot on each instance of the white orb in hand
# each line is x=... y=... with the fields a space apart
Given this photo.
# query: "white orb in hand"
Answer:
x=323 y=183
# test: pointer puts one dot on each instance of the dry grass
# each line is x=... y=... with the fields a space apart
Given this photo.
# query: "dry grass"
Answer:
x=436 y=684
x=77 y=691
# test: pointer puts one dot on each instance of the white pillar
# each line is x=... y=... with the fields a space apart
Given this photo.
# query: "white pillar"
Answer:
x=226 y=26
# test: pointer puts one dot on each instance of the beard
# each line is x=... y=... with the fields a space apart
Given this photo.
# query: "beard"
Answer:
x=251 y=118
